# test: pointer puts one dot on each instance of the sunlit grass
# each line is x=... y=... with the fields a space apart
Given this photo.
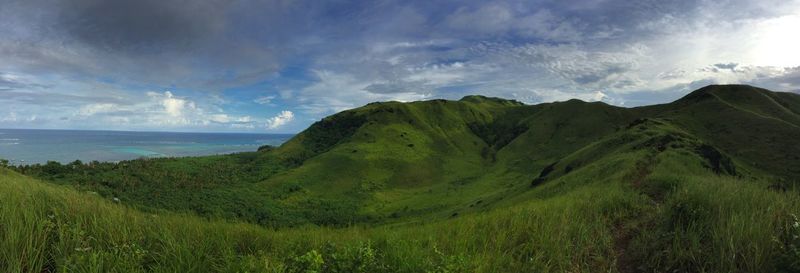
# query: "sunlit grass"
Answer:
x=712 y=224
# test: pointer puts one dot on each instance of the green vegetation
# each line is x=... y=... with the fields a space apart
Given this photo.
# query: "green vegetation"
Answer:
x=704 y=184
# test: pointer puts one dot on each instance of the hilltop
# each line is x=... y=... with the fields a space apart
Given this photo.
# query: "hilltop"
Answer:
x=708 y=179
x=391 y=160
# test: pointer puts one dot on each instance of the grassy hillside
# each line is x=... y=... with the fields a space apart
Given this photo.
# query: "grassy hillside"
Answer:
x=707 y=183
x=626 y=209
x=398 y=162
x=372 y=164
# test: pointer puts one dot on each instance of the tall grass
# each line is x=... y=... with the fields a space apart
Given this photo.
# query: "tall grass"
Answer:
x=49 y=228
x=702 y=224
x=721 y=224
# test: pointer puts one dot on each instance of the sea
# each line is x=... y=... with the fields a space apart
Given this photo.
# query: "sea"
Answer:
x=27 y=146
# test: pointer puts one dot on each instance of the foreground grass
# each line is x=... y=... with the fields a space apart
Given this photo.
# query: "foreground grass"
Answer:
x=701 y=224
x=48 y=228
x=713 y=224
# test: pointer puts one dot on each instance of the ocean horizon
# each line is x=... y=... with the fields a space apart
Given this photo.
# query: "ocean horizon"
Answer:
x=37 y=146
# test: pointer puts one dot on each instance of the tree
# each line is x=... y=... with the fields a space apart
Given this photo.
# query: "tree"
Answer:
x=75 y=164
x=3 y=163
x=53 y=168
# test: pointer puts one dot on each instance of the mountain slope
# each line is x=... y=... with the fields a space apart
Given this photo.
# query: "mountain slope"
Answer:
x=702 y=184
x=640 y=199
x=757 y=127
x=398 y=162
x=406 y=155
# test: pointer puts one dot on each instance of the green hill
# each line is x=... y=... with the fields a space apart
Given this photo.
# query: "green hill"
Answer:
x=703 y=184
x=757 y=127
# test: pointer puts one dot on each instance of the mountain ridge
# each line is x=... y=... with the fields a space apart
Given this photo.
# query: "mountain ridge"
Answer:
x=479 y=184
x=391 y=158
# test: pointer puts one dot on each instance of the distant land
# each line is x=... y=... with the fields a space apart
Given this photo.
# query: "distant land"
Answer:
x=707 y=183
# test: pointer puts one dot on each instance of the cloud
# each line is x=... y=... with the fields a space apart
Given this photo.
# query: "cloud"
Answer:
x=487 y=19
x=775 y=78
x=337 y=91
x=8 y=82
x=398 y=86
x=91 y=63
x=786 y=79
x=264 y=100
x=728 y=66
x=141 y=26
x=16 y=82
x=510 y=19
x=174 y=106
x=52 y=98
x=130 y=41
x=280 y=120
x=161 y=110
x=10 y=117
x=545 y=25
x=97 y=108
x=583 y=67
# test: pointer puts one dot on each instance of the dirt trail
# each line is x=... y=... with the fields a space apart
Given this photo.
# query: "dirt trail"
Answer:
x=627 y=229
x=622 y=239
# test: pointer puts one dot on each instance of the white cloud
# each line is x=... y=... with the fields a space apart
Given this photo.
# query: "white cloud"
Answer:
x=338 y=91
x=332 y=92
x=279 y=120
x=264 y=100
x=158 y=111
x=175 y=106
x=550 y=95
x=438 y=74
x=10 y=117
x=95 y=108
x=243 y=126
x=599 y=96
x=221 y=118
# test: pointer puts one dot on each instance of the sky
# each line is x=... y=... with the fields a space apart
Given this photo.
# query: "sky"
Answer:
x=278 y=66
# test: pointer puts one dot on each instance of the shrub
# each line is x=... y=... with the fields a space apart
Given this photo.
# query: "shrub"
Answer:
x=311 y=262
x=443 y=263
x=789 y=260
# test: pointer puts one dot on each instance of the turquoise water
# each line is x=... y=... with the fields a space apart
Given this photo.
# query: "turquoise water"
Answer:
x=40 y=146
x=139 y=152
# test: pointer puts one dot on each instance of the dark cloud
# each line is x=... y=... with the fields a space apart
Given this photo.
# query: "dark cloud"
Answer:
x=142 y=25
x=786 y=80
x=792 y=76
x=727 y=66
x=161 y=43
